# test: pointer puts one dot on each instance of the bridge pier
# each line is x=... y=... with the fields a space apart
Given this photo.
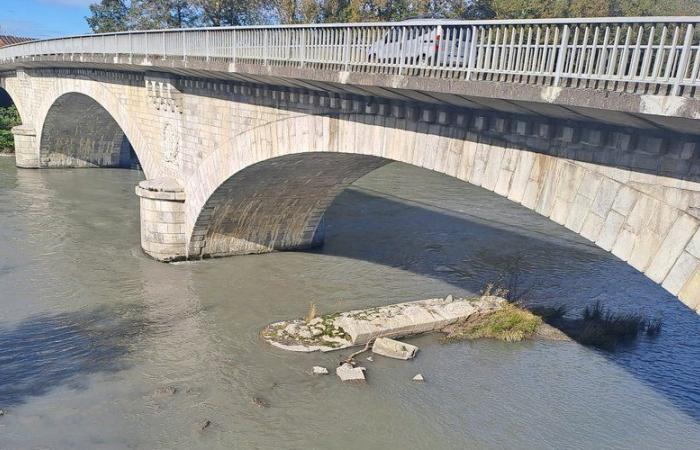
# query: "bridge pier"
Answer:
x=26 y=152
x=163 y=234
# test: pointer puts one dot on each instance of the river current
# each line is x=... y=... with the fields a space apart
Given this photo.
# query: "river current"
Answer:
x=91 y=329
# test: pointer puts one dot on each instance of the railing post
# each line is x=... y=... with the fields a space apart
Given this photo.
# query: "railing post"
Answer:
x=561 y=55
x=234 y=46
x=402 y=54
x=303 y=47
x=346 y=49
x=265 y=43
x=472 y=52
x=184 y=47
x=206 y=44
x=131 y=47
x=683 y=61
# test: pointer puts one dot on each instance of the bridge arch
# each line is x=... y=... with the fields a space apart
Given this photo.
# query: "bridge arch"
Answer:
x=303 y=161
x=78 y=132
x=9 y=91
x=85 y=123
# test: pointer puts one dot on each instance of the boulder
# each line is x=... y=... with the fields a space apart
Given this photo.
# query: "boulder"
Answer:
x=394 y=349
x=164 y=391
x=346 y=372
x=418 y=377
x=260 y=402
x=318 y=370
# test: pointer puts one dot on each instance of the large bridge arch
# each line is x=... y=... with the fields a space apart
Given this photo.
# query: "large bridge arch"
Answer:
x=231 y=195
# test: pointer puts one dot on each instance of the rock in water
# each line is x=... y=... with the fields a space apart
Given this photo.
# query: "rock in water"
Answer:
x=394 y=349
x=2 y=412
x=260 y=402
x=418 y=377
x=204 y=425
x=346 y=372
x=318 y=370
x=370 y=359
x=164 y=391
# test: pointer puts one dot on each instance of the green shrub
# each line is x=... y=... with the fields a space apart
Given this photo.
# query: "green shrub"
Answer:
x=9 y=117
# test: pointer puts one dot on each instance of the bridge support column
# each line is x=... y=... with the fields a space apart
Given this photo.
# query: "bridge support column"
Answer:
x=26 y=151
x=163 y=234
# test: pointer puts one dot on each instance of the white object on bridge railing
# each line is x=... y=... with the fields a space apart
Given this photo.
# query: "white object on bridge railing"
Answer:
x=649 y=50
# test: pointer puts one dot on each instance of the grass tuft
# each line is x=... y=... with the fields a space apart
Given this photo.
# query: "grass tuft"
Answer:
x=510 y=324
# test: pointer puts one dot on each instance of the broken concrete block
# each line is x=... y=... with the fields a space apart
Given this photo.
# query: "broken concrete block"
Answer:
x=418 y=377
x=318 y=370
x=346 y=372
x=394 y=349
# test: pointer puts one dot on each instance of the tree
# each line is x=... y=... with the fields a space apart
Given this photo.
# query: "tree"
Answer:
x=109 y=16
x=119 y=15
x=156 y=14
x=219 y=13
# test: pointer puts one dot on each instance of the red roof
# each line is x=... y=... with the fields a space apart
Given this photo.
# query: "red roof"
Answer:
x=9 y=40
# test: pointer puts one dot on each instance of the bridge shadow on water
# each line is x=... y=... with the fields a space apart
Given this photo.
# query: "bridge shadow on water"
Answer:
x=46 y=351
x=468 y=249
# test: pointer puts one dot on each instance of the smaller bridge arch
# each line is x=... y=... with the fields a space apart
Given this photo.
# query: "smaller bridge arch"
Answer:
x=78 y=120
x=78 y=132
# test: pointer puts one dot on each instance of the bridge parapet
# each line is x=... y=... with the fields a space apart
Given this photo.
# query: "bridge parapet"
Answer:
x=660 y=53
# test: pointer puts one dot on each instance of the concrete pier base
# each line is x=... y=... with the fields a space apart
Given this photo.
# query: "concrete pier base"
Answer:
x=163 y=234
x=26 y=151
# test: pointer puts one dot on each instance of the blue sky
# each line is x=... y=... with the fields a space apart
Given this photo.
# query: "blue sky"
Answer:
x=43 y=18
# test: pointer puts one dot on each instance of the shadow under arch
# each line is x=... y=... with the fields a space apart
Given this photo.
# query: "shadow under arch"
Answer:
x=79 y=132
x=383 y=219
x=276 y=204
x=5 y=98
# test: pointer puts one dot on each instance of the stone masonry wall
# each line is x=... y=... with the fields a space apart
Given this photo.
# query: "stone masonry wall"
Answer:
x=634 y=193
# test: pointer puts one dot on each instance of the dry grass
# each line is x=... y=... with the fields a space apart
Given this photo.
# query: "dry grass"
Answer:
x=510 y=324
x=311 y=313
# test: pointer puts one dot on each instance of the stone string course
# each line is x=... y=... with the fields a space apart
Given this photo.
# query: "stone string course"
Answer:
x=238 y=151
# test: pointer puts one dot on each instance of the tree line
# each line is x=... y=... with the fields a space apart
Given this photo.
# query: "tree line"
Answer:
x=121 y=15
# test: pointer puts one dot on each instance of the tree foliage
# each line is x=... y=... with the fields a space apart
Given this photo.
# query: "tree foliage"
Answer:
x=120 y=15
x=9 y=117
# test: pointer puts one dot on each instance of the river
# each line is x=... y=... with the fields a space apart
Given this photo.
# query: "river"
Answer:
x=91 y=328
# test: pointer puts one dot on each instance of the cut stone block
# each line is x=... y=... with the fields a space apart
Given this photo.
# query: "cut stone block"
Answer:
x=394 y=349
x=318 y=370
x=346 y=372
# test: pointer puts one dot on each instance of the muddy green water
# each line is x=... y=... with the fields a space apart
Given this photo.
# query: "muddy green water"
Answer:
x=90 y=327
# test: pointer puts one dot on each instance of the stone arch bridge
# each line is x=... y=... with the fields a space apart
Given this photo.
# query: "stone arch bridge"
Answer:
x=247 y=135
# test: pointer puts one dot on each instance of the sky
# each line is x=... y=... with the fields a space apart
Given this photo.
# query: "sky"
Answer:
x=44 y=18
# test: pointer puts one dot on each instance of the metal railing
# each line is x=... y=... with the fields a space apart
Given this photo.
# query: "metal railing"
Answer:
x=651 y=50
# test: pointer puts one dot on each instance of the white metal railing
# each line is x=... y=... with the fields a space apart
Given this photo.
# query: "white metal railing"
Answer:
x=650 y=50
